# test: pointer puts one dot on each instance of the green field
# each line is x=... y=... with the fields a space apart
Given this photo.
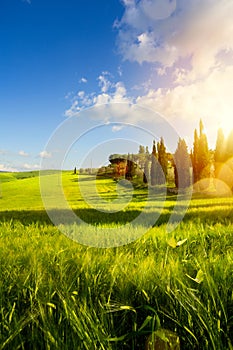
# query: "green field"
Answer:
x=56 y=293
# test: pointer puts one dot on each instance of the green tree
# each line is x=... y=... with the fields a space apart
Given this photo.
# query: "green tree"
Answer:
x=229 y=146
x=220 y=149
x=141 y=149
x=182 y=165
x=141 y=157
x=154 y=163
x=220 y=152
x=146 y=173
x=195 y=156
x=163 y=161
x=201 y=155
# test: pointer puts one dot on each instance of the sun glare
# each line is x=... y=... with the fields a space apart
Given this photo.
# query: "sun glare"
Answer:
x=226 y=123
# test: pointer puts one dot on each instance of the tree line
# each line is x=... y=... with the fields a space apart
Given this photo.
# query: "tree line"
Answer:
x=158 y=166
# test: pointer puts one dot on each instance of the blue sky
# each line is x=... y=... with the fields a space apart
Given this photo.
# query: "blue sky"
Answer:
x=60 y=58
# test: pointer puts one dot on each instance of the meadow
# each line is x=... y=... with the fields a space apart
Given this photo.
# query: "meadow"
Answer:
x=56 y=293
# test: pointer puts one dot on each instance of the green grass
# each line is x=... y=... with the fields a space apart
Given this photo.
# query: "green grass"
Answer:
x=58 y=294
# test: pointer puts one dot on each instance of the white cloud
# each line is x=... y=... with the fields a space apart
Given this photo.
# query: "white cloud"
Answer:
x=119 y=71
x=104 y=83
x=195 y=30
x=79 y=102
x=145 y=86
x=27 y=166
x=7 y=168
x=158 y=9
x=74 y=109
x=69 y=95
x=189 y=46
x=83 y=80
x=118 y=94
x=45 y=154
x=100 y=99
x=128 y=2
x=81 y=94
x=140 y=14
x=117 y=128
x=210 y=99
x=23 y=154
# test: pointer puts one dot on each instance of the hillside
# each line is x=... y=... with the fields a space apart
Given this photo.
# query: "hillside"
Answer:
x=57 y=293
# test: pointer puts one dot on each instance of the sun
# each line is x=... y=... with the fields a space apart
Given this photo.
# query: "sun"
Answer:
x=226 y=123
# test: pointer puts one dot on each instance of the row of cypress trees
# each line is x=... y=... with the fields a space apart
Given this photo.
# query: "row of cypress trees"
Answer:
x=189 y=167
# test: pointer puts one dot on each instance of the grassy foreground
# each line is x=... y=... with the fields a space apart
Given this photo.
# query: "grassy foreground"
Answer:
x=58 y=294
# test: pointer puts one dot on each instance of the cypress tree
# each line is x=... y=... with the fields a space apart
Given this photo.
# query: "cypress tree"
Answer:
x=146 y=173
x=201 y=127
x=141 y=149
x=220 y=149
x=141 y=157
x=220 y=154
x=201 y=155
x=195 y=156
x=162 y=158
x=153 y=165
x=182 y=165
x=229 y=153
x=229 y=146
